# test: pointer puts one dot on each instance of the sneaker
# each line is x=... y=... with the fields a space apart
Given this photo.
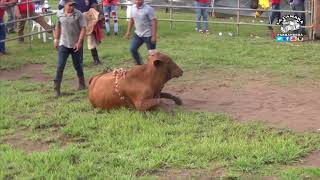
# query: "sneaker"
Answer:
x=206 y=31
x=200 y=31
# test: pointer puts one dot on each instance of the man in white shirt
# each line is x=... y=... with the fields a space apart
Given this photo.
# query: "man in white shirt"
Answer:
x=145 y=22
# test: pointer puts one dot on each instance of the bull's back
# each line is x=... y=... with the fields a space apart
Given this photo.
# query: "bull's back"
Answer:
x=101 y=92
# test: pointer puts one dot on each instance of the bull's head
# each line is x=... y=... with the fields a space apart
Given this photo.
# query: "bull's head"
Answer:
x=164 y=63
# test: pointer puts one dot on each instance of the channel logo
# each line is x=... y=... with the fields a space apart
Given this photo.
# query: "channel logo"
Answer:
x=289 y=38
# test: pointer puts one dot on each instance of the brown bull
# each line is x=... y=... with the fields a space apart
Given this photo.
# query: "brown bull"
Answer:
x=139 y=87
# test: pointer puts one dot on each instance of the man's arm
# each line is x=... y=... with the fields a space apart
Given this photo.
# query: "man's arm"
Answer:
x=81 y=36
x=154 y=26
x=57 y=35
x=130 y=25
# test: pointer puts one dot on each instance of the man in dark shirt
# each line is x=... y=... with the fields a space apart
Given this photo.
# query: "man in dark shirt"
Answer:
x=298 y=5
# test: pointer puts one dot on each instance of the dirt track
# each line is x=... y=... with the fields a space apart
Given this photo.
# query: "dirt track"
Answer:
x=248 y=99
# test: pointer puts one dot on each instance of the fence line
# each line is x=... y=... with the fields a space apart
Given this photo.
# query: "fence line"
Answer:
x=171 y=19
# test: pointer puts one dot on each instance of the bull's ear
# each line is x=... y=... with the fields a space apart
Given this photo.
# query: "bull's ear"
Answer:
x=157 y=63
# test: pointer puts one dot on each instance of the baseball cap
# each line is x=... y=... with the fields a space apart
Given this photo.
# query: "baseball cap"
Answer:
x=69 y=1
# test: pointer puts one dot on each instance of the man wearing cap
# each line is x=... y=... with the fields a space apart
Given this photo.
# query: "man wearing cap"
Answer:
x=84 y=6
x=145 y=22
x=69 y=34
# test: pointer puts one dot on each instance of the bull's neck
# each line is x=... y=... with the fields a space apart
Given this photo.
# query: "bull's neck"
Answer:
x=151 y=76
x=155 y=77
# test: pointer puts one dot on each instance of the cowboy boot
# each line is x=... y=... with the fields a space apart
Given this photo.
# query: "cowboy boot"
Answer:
x=95 y=56
x=57 y=85
x=82 y=84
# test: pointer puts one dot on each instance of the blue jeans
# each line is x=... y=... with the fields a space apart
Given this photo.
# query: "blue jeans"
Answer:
x=107 y=10
x=275 y=15
x=203 y=13
x=63 y=54
x=300 y=7
x=2 y=37
x=136 y=43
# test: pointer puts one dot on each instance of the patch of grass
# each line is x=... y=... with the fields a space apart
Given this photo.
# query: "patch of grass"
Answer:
x=125 y=144
x=300 y=173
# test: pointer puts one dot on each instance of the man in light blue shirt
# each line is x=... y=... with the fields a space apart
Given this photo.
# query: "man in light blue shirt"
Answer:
x=145 y=22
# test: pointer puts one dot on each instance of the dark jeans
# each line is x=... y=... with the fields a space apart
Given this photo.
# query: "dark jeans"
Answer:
x=2 y=37
x=63 y=54
x=300 y=7
x=274 y=15
x=136 y=43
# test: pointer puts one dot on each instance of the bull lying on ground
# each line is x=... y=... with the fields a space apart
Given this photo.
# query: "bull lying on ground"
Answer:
x=139 y=87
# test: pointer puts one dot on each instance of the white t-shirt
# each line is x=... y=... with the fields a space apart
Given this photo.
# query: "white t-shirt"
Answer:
x=142 y=19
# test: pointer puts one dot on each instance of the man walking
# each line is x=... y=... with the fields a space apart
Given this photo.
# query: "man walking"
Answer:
x=69 y=34
x=145 y=22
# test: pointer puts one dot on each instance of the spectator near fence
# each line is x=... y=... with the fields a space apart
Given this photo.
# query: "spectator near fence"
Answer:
x=275 y=4
x=2 y=28
x=10 y=10
x=298 y=5
x=22 y=13
x=84 y=6
x=69 y=34
x=145 y=22
x=199 y=4
x=3 y=5
x=110 y=7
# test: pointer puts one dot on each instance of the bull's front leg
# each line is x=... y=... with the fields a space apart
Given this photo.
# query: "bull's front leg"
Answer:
x=146 y=104
x=176 y=99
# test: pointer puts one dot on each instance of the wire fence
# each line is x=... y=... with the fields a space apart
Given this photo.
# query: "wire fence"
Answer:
x=310 y=13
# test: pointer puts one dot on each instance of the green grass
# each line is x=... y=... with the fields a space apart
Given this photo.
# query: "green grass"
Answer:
x=124 y=144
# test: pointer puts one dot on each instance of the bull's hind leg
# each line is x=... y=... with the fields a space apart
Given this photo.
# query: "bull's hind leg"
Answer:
x=146 y=104
x=176 y=99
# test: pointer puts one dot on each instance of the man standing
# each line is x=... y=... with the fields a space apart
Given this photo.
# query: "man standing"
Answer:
x=2 y=28
x=22 y=11
x=274 y=15
x=298 y=5
x=69 y=34
x=11 y=16
x=145 y=22
x=202 y=11
x=110 y=7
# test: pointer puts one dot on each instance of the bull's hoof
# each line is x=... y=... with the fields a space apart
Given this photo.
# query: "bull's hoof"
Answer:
x=178 y=101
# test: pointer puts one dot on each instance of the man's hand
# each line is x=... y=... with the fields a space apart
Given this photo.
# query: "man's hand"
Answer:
x=154 y=39
x=77 y=46
x=128 y=35
x=56 y=43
